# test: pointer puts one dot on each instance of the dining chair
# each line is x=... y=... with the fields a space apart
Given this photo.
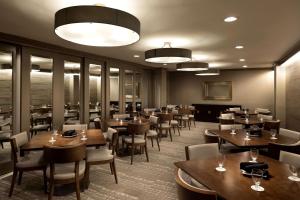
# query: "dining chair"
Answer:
x=226 y=118
x=104 y=155
x=275 y=148
x=39 y=124
x=290 y=158
x=201 y=151
x=152 y=133
x=97 y=123
x=76 y=127
x=175 y=121
x=4 y=137
x=138 y=135
x=210 y=137
x=30 y=162
x=269 y=125
x=188 y=190
x=185 y=112
x=264 y=111
x=66 y=166
x=192 y=115
x=164 y=124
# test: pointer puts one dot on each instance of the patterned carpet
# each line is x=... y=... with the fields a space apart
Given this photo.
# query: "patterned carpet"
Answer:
x=142 y=180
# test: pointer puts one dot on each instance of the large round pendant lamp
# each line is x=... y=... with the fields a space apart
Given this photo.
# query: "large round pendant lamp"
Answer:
x=210 y=72
x=97 y=26
x=167 y=54
x=192 y=66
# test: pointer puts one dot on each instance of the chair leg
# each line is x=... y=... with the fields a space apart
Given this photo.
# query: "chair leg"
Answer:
x=174 y=129
x=45 y=180
x=157 y=143
x=170 y=133
x=14 y=177
x=189 y=124
x=77 y=187
x=194 y=122
x=115 y=171
x=111 y=168
x=20 y=177
x=51 y=190
x=146 y=151
x=178 y=130
x=132 y=151
x=2 y=145
x=151 y=141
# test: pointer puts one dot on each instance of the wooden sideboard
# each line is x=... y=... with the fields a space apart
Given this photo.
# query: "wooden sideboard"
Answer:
x=210 y=112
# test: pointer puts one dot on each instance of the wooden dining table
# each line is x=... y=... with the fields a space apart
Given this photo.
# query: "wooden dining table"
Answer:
x=251 y=121
x=95 y=138
x=233 y=185
x=255 y=142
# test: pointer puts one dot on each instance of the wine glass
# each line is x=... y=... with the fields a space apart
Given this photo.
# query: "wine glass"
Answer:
x=257 y=175
x=221 y=162
x=295 y=172
x=83 y=134
x=247 y=135
x=254 y=155
x=273 y=134
x=233 y=130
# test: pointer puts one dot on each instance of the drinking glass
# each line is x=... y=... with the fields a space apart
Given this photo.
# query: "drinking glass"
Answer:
x=254 y=155
x=257 y=178
x=83 y=134
x=295 y=173
x=273 y=134
x=55 y=133
x=221 y=161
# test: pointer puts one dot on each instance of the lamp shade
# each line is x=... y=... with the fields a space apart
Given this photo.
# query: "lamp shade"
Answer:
x=192 y=66
x=168 y=55
x=96 y=26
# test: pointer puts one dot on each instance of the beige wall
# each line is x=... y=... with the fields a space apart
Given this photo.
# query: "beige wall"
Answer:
x=281 y=95
x=250 y=88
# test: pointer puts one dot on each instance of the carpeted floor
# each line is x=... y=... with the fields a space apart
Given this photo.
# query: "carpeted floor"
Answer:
x=142 y=180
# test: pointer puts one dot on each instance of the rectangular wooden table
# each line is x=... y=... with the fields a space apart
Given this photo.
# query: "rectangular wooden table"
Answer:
x=232 y=185
x=95 y=138
x=256 y=142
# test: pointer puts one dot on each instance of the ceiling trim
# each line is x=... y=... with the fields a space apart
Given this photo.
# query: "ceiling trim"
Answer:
x=292 y=51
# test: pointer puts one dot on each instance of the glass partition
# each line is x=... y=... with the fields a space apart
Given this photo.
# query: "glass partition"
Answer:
x=114 y=84
x=72 y=92
x=41 y=94
x=128 y=78
x=95 y=91
x=6 y=89
x=138 y=89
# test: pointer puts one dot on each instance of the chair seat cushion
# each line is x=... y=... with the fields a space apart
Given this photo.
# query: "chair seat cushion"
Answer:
x=41 y=127
x=5 y=135
x=185 y=118
x=31 y=161
x=152 y=133
x=165 y=125
x=66 y=171
x=95 y=155
x=137 y=139
x=174 y=122
x=191 y=116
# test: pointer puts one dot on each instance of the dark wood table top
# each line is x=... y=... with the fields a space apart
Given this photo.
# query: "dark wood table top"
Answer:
x=232 y=185
x=94 y=138
x=259 y=142
x=251 y=121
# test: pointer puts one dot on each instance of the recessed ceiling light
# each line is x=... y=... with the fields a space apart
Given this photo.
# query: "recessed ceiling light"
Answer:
x=136 y=56
x=230 y=19
x=239 y=47
x=245 y=66
x=242 y=60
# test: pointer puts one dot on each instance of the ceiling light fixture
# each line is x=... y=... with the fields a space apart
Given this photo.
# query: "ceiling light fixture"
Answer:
x=136 y=56
x=192 y=66
x=230 y=19
x=167 y=54
x=245 y=66
x=210 y=72
x=242 y=60
x=239 y=47
x=94 y=25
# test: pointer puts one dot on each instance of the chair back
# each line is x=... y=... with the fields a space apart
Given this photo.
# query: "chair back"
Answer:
x=229 y=126
x=76 y=127
x=235 y=109
x=165 y=118
x=121 y=116
x=201 y=151
x=289 y=133
x=67 y=154
x=138 y=128
x=16 y=141
x=187 y=191
x=290 y=158
x=210 y=138
x=268 y=125
x=274 y=149
x=265 y=117
x=262 y=111
x=97 y=123
x=153 y=119
x=226 y=115
x=184 y=111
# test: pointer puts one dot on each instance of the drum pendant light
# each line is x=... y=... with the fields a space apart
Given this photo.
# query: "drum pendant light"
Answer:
x=192 y=66
x=94 y=25
x=167 y=54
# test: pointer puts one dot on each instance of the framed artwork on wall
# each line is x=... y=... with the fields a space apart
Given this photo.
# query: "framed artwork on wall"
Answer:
x=217 y=90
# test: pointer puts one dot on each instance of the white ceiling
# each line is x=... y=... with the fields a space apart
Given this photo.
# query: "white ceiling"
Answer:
x=267 y=28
